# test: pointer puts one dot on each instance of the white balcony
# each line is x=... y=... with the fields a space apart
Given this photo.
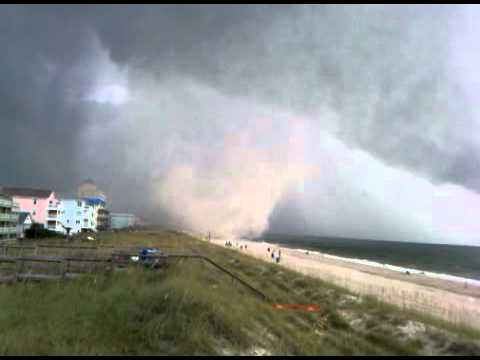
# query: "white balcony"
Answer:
x=9 y=217
x=8 y=230
x=5 y=203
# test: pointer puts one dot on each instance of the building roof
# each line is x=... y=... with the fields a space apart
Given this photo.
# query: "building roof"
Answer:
x=93 y=200
x=26 y=192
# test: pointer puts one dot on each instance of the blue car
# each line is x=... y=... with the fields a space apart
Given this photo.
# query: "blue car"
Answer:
x=149 y=257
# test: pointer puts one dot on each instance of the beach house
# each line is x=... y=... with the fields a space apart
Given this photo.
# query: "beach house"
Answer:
x=40 y=203
x=83 y=215
x=97 y=201
x=76 y=216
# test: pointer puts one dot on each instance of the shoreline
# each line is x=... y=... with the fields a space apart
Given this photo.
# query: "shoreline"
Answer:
x=449 y=299
x=396 y=268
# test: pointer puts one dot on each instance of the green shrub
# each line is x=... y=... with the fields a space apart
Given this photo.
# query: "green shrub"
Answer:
x=37 y=231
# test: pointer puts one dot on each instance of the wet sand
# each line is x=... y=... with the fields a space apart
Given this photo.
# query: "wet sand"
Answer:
x=446 y=299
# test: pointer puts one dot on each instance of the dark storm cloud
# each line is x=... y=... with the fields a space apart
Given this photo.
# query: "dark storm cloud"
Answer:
x=384 y=70
x=39 y=125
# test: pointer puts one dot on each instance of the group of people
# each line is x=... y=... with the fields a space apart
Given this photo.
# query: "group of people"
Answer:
x=275 y=257
x=229 y=244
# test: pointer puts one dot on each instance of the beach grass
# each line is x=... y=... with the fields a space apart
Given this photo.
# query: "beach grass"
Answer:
x=190 y=307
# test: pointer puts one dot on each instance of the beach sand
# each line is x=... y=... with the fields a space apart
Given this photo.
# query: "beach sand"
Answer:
x=445 y=299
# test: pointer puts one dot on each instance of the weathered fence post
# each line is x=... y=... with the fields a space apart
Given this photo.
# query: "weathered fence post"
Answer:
x=66 y=267
x=19 y=265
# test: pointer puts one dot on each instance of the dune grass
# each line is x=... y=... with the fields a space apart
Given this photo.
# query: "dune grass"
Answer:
x=190 y=307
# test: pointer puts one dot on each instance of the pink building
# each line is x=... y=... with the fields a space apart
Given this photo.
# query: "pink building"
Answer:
x=41 y=204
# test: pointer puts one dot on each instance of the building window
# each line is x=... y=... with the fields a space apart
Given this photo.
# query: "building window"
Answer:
x=77 y=222
x=79 y=203
x=68 y=221
x=34 y=201
x=50 y=202
x=34 y=213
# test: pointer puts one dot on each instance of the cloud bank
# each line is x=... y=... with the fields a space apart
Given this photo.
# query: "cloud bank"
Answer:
x=333 y=120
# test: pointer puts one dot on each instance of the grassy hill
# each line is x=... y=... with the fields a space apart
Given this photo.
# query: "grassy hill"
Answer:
x=190 y=307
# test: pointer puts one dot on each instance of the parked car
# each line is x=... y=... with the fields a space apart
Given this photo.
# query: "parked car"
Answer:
x=149 y=257
x=152 y=257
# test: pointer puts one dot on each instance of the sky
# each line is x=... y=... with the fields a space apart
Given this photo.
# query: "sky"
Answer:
x=354 y=121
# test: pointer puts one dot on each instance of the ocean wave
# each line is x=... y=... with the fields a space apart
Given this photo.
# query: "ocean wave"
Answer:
x=396 y=268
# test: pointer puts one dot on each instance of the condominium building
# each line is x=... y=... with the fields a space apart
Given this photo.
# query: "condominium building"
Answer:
x=8 y=219
x=83 y=215
x=41 y=204
x=76 y=216
x=101 y=216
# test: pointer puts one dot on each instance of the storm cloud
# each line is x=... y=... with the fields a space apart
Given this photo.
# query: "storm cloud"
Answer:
x=182 y=111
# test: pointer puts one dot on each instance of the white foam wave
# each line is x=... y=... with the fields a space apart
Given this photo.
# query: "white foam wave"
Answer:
x=401 y=269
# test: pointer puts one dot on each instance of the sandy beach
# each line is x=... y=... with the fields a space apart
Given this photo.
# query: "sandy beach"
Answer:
x=445 y=299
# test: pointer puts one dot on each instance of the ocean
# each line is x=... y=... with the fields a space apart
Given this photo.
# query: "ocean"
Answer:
x=457 y=260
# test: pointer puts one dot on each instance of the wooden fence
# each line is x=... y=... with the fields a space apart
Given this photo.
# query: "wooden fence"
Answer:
x=31 y=263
